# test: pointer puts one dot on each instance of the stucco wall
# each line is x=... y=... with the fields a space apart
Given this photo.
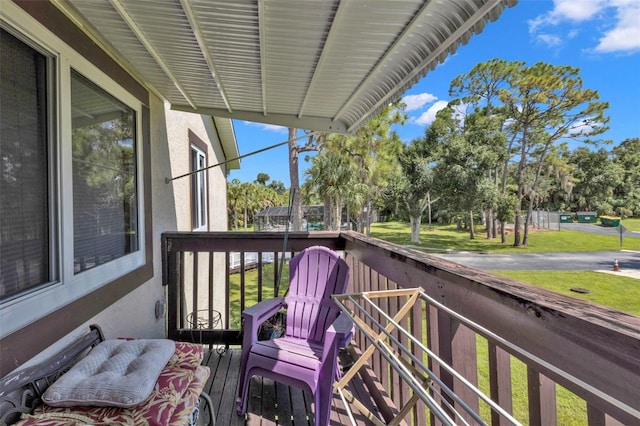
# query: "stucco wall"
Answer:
x=178 y=126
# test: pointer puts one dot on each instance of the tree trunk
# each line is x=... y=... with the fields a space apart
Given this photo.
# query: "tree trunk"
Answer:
x=525 y=240
x=338 y=221
x=495 y=227
x=429 y=206
x=415 y=228
x=296 y=203
x=503 y=234
x=489 y=223
x=235 y=216
x=327 y=213
x=367 y=223
x=520 y=179
x=245 y=209
x=472 y=231
x=516 y=227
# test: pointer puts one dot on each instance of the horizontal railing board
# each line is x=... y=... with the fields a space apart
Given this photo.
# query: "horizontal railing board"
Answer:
x=250 y=241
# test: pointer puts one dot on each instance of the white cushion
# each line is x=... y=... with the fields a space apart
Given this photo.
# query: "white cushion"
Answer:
x=119 y=373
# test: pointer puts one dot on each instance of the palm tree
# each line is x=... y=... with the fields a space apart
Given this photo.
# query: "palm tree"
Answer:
x=332 y=174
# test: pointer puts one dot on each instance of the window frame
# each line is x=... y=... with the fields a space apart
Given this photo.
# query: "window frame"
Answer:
x=51 y=123
x=67 y=287
x=197 y=209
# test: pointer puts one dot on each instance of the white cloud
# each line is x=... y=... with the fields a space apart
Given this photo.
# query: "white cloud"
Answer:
x=428 y=117
x=415 y=102
x=625 y=36
x=549 y=39
x=568 y=10
x=584 y=127
x=621 y=18
x=267 y=127
x=577 y=10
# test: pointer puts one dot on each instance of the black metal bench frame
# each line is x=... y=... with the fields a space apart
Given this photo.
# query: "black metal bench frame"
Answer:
x=21 y=391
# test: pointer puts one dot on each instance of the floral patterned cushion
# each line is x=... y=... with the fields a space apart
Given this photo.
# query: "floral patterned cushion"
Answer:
x=187 y=355
x=171 y=402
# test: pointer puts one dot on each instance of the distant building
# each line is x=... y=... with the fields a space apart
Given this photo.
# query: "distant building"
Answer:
x=275 y=218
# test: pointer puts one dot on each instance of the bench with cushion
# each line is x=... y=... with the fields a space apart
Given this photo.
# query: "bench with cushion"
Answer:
x=94 y=381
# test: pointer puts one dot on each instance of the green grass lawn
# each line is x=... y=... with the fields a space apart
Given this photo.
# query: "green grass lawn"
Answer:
x=447 y=237
x=618 y=292
x=632 y=224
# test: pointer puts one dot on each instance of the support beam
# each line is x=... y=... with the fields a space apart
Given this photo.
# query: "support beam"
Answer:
x=328 y=46
x=152 y=51
x=197 y=32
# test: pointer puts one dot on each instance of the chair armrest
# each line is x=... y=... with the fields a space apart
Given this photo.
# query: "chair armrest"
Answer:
x=263 y=309
x=257 y=314
x=338 y=335
x=343 y=328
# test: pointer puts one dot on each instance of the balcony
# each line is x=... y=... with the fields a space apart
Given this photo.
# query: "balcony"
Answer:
x=521 y=345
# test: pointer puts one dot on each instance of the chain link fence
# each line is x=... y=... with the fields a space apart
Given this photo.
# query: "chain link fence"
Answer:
x=544 y=219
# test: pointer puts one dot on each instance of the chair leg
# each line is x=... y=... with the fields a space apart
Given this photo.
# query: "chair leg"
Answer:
x=212 y=415
x=243 y=391
x=323 y=399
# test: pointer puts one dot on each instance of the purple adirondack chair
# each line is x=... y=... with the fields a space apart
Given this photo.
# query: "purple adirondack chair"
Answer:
x=306 y=356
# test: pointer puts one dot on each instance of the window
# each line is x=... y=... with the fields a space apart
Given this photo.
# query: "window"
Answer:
x=26 y=210
x=70 y=192
x=105 y=219
x=198 y=190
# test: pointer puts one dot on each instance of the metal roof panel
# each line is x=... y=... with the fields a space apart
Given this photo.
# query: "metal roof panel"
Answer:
x=319 y=65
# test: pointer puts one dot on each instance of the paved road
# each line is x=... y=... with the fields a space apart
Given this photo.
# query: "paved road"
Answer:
x=597 y=229
x=548 y=261
x=628 y=261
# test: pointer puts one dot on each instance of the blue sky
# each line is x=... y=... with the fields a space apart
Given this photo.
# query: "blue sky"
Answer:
x=600 y=37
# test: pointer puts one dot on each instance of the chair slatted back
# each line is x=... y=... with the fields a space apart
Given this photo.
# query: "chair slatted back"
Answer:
x=314 y=275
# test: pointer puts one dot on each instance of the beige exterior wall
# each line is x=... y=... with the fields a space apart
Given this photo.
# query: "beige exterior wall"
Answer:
x=178 y=126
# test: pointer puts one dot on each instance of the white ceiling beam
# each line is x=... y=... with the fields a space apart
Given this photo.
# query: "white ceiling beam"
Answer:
x=462 y=30
x=328 y=47
x=263 y=58
x=152 y=51
x=197 y=32
x=321 y=124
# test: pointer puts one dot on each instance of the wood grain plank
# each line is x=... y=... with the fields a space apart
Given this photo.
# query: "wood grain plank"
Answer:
x=217 y=385
x=283 y=405
x=299 y=411
x=228 y=400
x=254 y=405
x=269 y=411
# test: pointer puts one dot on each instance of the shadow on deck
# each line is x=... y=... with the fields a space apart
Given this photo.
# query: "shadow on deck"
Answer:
x=270 y=403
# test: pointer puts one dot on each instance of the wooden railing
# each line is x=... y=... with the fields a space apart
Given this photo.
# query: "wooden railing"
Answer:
x=506 y=337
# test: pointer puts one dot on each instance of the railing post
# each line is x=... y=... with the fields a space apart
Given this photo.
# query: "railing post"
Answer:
x=171 y=280
x=500 y=381
x=457 y=346
x=542 y=399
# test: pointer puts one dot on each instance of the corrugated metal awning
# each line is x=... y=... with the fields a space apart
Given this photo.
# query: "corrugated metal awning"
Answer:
x=318 y=65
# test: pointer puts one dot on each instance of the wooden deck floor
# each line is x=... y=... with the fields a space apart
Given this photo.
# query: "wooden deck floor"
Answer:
x=270 y=403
